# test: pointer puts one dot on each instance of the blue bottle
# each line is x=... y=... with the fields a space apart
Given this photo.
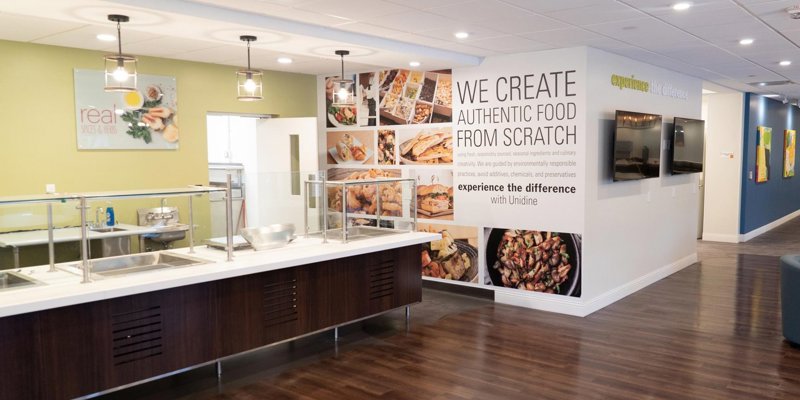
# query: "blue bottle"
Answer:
x=110 y=216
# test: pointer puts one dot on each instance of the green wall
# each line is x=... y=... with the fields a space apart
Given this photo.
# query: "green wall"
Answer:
x=37 y=109
x=37 y=135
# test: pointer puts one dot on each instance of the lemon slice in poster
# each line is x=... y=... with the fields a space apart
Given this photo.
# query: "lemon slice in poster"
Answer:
x=132 y=100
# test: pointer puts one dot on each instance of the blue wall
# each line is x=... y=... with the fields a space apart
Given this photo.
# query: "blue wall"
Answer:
x=766 y=202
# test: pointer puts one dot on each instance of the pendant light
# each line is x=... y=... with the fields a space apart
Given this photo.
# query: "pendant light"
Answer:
x=343 y=88
x=249 y=81
x=120 y=73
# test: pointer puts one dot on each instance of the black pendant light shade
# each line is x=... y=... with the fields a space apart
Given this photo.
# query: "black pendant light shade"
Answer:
x=249 y=82
x=120 y=69
x=343 y=88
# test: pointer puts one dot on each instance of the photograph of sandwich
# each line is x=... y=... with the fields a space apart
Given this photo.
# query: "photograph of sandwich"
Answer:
x=434 y=199
x=454 y=257
x=429 y=146
x=351 y=147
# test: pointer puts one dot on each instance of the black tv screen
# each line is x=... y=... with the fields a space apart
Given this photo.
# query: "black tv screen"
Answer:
x=637 y=146
x=686 y=152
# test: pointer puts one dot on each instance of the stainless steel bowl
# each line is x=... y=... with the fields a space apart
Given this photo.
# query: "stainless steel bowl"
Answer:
x=268 y=237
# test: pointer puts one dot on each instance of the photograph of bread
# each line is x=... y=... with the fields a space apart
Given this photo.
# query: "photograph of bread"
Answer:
x=351 y=147
x=434 y=194
x=454 y=257
x=429 y=146
x=386 y=147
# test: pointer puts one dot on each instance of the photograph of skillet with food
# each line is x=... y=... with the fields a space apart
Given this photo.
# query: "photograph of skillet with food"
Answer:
x=539 y=261
x=434 y=201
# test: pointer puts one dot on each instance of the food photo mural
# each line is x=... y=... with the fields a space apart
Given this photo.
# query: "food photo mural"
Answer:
x=143 y=119
x=405 y=124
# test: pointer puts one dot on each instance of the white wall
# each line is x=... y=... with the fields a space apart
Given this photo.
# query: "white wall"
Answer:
x=723 y=185
x=637 y=232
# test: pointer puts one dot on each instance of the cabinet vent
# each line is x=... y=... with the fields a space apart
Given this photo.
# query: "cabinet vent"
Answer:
x=280 y=303
x=136 y=335
x=381 y=280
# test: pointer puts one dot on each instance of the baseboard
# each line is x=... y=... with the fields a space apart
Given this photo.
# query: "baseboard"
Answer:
x=467 y=290
x=720 y=237
x=768 y=227
x=541 y=301
x=634 y=286
x=563 y=304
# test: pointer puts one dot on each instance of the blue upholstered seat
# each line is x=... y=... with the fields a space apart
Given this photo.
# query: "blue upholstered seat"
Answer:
x=790 y=297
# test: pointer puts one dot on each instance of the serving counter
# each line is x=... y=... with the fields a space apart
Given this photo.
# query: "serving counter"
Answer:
x=65 y=339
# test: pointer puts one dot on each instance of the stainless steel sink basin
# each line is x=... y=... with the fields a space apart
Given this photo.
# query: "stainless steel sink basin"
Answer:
x=106 y=229
x=138 y=263
x=11 y=280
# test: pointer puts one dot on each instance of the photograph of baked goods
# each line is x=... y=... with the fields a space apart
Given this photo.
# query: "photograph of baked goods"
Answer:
x=386 y=147
x=351 y=147
x=454 y=257
x=338 y=116
x=415 y=97
x=427 y=146
x=434 y=193
x=537 y=261
x=363 y=199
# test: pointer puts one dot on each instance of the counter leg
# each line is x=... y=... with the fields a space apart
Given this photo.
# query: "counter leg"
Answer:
x=336 y=334
x=219 y=369
x=15 y=250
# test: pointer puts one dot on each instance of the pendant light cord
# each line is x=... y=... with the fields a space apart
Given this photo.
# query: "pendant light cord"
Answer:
x=119 y=38
x=342 y=56
x=248 y=55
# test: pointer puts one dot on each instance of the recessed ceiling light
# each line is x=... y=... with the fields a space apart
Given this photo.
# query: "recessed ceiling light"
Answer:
x=684 y=5
x=461 y=35
x=285 y=60
x=414 y=64
x=762 y=84
x=107 y=37
x=772 y=95
x=746 y=41
x=785 y=63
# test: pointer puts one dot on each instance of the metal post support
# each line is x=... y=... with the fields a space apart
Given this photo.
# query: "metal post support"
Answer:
x=229 y=218
x=84 y=243
x=51 y=251
x=191 y=226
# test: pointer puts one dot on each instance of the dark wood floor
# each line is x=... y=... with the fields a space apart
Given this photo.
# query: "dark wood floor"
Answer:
x=711 y=331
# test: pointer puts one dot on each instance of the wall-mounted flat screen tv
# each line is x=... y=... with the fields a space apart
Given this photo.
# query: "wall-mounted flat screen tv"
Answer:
x=686 y=151
x=637 y=146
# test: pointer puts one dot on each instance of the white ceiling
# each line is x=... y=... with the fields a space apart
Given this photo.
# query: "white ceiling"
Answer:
x=702 y=41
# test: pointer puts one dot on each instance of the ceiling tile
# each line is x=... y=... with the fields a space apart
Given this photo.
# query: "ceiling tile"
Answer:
x=359 y=10
x=603 y=13
x=24 y=29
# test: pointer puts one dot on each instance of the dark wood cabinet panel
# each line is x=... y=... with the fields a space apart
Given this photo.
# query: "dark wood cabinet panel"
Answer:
x=256 y=310
x=72 y=350
x=87 y=348
x=18 y=342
